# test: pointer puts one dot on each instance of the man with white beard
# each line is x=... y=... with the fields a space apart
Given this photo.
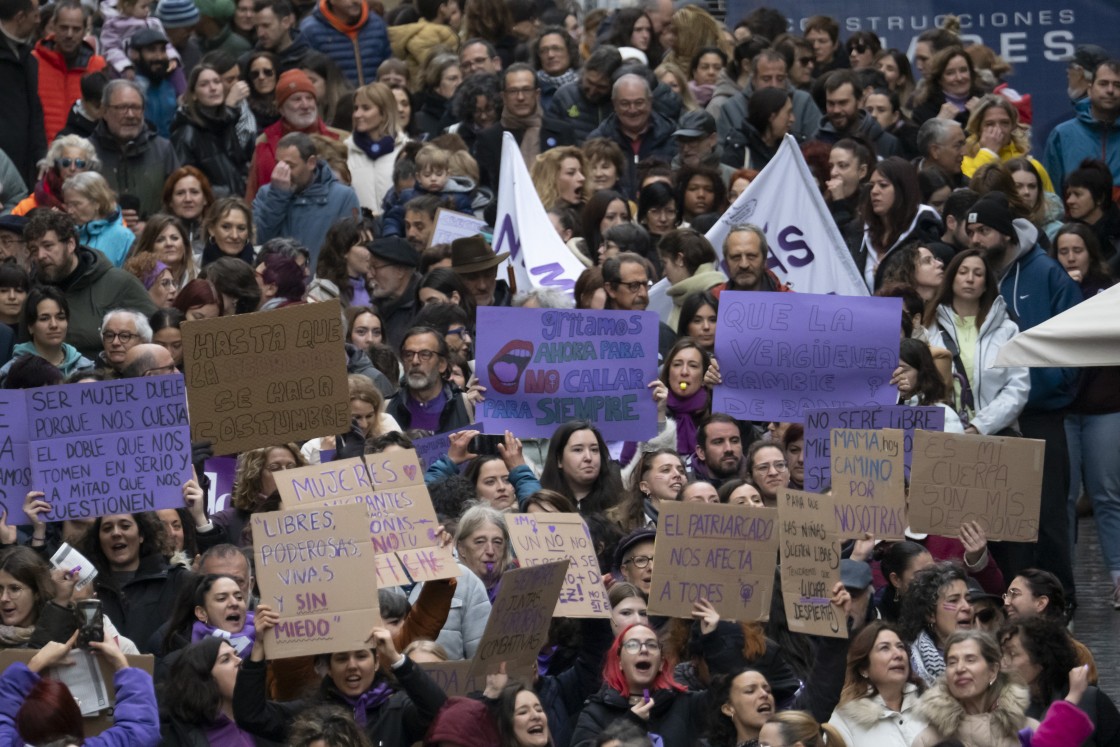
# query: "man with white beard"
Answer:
x=425 y=401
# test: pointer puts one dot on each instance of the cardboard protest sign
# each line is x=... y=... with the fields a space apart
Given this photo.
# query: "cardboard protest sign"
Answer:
x=15 y=464
x=109 y=447
x=400 y=520
x=545 y=367
x=721 y=553
x=868 y=487
x=312 y=566
x=819 y=424
x=454 y=677
x=544 y=538
x=810 y=563
x=451 y=225
x=781 y=354
x=267 y=378
x=519 y=619
x=992 y=480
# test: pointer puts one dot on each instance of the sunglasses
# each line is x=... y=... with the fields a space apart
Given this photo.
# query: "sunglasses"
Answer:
x=859 y=48
x=68 y=162
x=986 y=616
x=266 y=73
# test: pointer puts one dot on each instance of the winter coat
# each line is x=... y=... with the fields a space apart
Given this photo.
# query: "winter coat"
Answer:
x=466 y=620
x=431 y=115
x=807 y=117
x=456 y=414
x=1000 y=393
x=1036 y=288
x=925 y=226
x=931 y=108
x=358 y=50
x=997 y=728
x=140 y=605
x=264 y=153
x=60 y=82
x=372 y=179
x=305 y=215
x=1082 y=137
x=706 y=277
x=138 y=167
x=400 y=720
x=522 y=478
x=1096 y=705
x=725 y=90
x=71 y=363
x=564 y=694
x=22 y=136
x=13 y=190
x=570 y=118
x=869 y=721
x=414 y=42
x=209 y=141
x=458 y=190
x=869 y=129
x=135 y=713
x=984 y=156
x=108 y=235
x=677 y=717
x=657 y=140
x=94 y=288
x=744 y=148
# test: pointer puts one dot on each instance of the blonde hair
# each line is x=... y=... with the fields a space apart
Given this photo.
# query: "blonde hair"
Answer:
x=1020 y=138
x=381 y=96
x=432 y=157
x=93 y=187
x=462 y=163
x=546 y=171
x=696 y=29
x=363 y=390
x=430 y=647
x=799 y=726
x=688 y=101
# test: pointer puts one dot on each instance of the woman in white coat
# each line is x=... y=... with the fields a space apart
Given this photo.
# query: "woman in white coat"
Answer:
x=880 y=696
x=969 y=318
x=373 y=147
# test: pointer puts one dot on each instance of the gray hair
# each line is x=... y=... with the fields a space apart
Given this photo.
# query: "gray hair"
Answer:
x=301 y=141
x=476 y=517
x=934 y=132
x=748 y=228
x=77 y=142
x=630 y=78
x=116 y=85
x=142 y=327
x=546 y=298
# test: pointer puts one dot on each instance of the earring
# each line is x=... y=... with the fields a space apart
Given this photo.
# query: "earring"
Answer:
x=863 y=674
x=992 y=682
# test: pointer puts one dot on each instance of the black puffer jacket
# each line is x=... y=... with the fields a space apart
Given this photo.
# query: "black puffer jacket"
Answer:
x=140 y=605
x=207 y=139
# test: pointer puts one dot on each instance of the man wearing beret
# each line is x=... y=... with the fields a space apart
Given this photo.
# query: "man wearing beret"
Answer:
x=299 y=112
x=1035 y=288
x=392 y=267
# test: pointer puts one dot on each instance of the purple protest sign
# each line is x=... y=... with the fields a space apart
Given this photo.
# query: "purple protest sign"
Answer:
x=819 y=424
x=221 y=472
x=545 y=367
x=109 y=447
x=431 y=448
x=15 y=475
x=781 y=354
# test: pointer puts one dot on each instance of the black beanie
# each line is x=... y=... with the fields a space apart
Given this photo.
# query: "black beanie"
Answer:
x=993 y=211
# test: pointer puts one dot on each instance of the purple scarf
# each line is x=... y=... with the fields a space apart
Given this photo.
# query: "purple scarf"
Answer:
x=224 y=733
x=372 y=698
x=683 y=409
x=242 y=642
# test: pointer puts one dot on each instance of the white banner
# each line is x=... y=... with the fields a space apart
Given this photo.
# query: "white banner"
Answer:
x=806 y=249
x=539 y=257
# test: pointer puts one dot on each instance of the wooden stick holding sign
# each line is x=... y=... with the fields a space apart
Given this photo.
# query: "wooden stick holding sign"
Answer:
x=992 y=480
x=810 y=563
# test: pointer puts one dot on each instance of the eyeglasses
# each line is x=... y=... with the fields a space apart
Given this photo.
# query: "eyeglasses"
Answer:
x=126 y=108
x=160 y=370
x=264 y=73
x=635 y=286
x=124 y=337
x=633 y=647
x=14 y=591
x=775 y=466
x=461 y=333
x=1012 y=594
x=66 y=163
x=424 y=355
x=639 y=561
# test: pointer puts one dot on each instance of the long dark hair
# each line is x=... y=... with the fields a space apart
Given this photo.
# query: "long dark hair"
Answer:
x=190 y=694
x=1098 y=268
x=884 y=232
x=691 y=305
x=721 y=729
x=607 y=487
x=945 y=292
x=192 y=594
x=930 y=388
x=592 y=216
x=1046 y=641
x=331 y=265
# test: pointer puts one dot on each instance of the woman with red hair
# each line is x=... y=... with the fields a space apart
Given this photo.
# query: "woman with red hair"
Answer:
x=36 y=710
x=638 y=686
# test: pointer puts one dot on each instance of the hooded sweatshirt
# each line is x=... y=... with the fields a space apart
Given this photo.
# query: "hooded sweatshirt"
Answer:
x=72 y=360
x=707 y=276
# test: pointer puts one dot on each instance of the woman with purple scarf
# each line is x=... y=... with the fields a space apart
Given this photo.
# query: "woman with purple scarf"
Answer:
x=394 y=709
x=211 y=606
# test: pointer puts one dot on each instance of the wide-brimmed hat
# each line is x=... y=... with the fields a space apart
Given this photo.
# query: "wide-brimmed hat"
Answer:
x=473 y=254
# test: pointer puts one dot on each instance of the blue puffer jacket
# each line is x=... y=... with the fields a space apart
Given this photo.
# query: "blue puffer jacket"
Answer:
x=524 y=482
x=357 y=53
x=1036 y=288
x=1080 y=138
x=110 y=236
x=305 y=215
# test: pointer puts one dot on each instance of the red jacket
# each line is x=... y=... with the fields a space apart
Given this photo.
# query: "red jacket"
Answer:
x=264 y=156
x=59 y=83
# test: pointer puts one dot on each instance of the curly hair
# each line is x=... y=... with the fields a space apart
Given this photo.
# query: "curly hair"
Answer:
x=696 y=29
x=546 y=171
x=920 y=603
x=153 y=540
x=327 y=724
x=464 y=104
x=1046 y=641
x=250 y=467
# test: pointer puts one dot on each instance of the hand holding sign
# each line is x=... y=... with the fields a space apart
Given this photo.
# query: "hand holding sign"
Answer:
x=264 y=620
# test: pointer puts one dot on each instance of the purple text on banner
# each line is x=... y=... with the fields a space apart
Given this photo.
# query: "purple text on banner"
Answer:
x=112 y=473
x=819 y=424
x=781 y=354
x=431 y=448
x=545 y=367
x=15 y=474
x=107 y=407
